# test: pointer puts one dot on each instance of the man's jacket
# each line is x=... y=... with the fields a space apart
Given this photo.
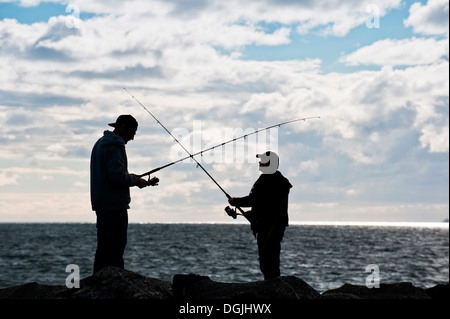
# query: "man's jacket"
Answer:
x=268 y=199
x=110 y=180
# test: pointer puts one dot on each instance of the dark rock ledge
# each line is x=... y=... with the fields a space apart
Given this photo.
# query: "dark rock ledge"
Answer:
x=115 y=283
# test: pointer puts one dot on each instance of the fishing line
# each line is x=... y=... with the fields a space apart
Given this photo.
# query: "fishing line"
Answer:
x=208 y=149
x=227 y=142
x=176 y=140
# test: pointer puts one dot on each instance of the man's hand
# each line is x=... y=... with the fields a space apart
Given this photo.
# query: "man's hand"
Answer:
x=142 y=183
x=231 y=201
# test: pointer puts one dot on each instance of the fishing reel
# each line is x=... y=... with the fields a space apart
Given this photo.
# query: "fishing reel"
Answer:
x=231 y=212
x=153 y=181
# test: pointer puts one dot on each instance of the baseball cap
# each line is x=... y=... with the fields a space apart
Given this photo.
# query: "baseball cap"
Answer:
x=126 y=120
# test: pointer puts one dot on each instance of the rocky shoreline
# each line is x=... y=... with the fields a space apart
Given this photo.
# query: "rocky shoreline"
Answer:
x=115 y=283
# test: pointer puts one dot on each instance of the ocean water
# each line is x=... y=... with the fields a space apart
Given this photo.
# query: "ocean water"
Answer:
x=325 y=256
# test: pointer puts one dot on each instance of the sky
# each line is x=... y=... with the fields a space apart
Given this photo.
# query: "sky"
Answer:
x=376 y=72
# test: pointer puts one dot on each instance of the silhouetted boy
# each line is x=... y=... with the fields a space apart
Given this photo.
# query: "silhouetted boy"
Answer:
x=269 y=214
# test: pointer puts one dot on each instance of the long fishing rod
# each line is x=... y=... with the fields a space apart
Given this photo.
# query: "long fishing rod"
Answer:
x=190 y=155
x=227 y=142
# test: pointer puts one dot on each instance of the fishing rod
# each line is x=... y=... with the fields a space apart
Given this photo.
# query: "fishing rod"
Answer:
x=227 y=142
x=233 y=214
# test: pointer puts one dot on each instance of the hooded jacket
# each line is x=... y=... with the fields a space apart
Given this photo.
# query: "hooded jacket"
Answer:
x=110 y=180
x=268 y=199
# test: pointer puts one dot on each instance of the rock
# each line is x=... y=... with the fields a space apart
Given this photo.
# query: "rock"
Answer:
x=181 y=284
x=404 y=290
x=440 y=292
x=116 y=283
x=289 y=287
x=109 y=283
x=31 y=291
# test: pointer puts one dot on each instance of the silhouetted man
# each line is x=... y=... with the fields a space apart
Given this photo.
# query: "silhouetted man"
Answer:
x=110 y=191
x=268 y=199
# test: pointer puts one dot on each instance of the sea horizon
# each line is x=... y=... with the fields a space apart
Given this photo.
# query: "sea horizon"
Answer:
x=324 y=256
x=443 y=224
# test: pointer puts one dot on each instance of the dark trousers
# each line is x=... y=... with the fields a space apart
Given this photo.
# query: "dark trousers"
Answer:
x=111 y=238
x=269 y=247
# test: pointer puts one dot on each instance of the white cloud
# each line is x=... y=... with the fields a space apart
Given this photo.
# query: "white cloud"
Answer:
x=56 y=149
x=8 y=177
x=430 y=19
x=60 y=87
x=310 y=166
x=367 y=212
x=29 y=3
x=436 y=138
x=340 y=17
x=388 y=52
x=350 y=104
x=45 y=207
x=294 y=87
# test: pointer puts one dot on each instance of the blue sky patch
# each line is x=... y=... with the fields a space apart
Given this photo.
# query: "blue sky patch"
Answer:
x=39 y=13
